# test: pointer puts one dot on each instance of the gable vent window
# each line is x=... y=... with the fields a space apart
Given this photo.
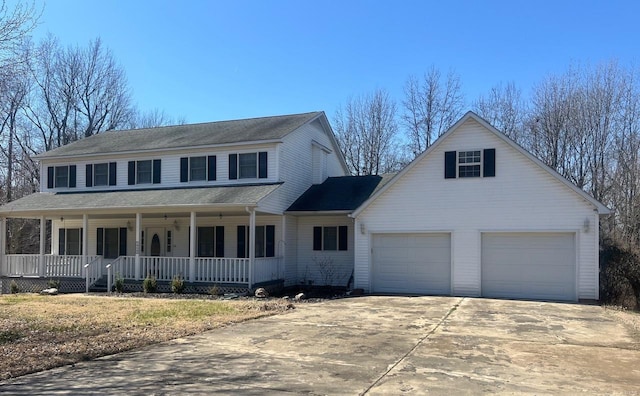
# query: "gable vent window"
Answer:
x=475 y=163
x=248 y=166
x=198 y=168
x=61 y=176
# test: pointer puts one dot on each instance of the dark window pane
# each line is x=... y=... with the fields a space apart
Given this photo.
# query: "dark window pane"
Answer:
x=205 y=242
x=143 y=169
x=73 y=241
x=469 y=171
x=62 y=176
x=198 y=168
x=247 y=166
x=101 y=175
x=330 y=238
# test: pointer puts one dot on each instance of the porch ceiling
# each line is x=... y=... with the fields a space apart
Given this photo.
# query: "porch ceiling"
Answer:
x=223 y=199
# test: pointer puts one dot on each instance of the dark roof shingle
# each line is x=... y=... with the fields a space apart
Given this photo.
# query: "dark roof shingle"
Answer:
x=345 y=193
x=178 y=136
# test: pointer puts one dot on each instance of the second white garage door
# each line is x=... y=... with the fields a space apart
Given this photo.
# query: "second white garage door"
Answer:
x=540 y=266
x=411 y=263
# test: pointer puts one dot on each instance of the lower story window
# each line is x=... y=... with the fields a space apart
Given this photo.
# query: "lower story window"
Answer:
x=70 y=241
x=330 y=238
x=264 y=243
x=210 y=241
x=111 y=242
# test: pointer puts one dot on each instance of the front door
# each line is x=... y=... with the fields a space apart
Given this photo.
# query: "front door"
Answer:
x=155 y=241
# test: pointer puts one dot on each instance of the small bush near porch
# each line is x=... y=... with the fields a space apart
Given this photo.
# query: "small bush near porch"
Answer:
x=42 y=332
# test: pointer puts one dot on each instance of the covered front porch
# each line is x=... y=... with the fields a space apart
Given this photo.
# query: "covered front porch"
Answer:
x=204 y=244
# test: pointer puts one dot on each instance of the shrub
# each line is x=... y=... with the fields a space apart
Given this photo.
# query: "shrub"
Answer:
x=14 y=288
x=177 y=284
x=118 y=284
x=215 y=291
x=53 y=283
x=150 y=284
x=619 y=275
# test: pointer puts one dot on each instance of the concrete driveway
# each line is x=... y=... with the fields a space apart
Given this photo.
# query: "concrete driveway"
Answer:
x=377 y=345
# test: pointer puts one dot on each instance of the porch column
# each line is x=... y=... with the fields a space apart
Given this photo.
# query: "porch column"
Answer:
x=41 y=268
x=85 y=242
x=252 y=244
x=192 y=248
x=282 y=250
x=3 y=246
x=138 y=232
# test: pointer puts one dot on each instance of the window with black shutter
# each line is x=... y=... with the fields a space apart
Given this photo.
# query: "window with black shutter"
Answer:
x=330 y=238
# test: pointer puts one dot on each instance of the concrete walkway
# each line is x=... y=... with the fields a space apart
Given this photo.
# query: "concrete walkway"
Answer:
x=376 y=345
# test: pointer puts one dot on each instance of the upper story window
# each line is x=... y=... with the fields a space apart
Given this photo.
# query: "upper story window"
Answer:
x=248 y=166
x=144 y=172
x=473 y=163
x=61 y=176
x=101 y=174
x=198 y=168
x=330 y=238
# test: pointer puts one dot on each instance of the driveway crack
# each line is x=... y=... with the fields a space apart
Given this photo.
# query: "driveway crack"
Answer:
x=420 y=341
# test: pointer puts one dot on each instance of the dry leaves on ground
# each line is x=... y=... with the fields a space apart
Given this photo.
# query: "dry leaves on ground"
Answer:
x=42 y=332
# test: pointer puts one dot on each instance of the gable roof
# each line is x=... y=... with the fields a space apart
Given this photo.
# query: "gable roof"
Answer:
x=128 y=200
x=601 y=208
x=339 y=194
x=185 y=136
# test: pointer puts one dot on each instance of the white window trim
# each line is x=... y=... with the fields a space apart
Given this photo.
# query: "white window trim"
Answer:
x=458 y=164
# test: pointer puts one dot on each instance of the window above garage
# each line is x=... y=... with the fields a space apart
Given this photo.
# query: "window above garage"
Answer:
x=470 y=163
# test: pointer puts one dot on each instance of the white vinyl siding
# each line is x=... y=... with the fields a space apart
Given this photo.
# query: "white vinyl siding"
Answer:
x=522 y=197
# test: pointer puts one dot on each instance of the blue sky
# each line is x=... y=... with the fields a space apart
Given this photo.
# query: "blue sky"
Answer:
x=215 y=60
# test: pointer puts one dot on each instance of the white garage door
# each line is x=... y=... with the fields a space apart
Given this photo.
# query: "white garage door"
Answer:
x=540 y=266
x=412 y=263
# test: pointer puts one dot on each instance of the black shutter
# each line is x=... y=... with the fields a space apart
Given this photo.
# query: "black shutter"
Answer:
x=489 y=163
x=157 y=168
x=72 y=176
x=233 y=166
x=61 y=241
x=262 y=165
x=123 y=241
x=219 y=241
x=89 y=175
x=342 y=237
x=50 y=177
x=241 y=242
x=317 y=238
x=132 y=172
x=270 y=244
x=184 y=169
x=450 y=165
x=100 y=241
x=113 y=173
x=81 y=241
x=211 y=165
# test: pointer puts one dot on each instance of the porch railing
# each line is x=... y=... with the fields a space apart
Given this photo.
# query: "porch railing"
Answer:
x=21 y=265
x=222 y=270
x=71 y=266
x=92 y=271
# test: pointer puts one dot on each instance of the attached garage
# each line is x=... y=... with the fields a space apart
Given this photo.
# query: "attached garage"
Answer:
x=540 y=266
x=411 y=263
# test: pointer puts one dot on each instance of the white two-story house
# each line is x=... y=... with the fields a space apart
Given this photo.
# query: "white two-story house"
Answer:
x=187 y=200
x=268 y=201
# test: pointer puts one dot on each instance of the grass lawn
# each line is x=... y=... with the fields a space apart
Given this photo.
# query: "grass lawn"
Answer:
x=42 y=332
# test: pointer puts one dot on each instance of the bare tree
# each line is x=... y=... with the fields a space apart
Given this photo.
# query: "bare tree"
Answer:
x=431 y=106
x=367 y=132
x=504 y=108
x=152 y=119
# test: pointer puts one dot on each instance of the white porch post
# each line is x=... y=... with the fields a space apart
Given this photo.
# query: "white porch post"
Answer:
x=138 y=232
x=43 y=225
x=252 y=244
x=3 y=245
x=192 y=247
x=85 y=242
x=282 y=251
